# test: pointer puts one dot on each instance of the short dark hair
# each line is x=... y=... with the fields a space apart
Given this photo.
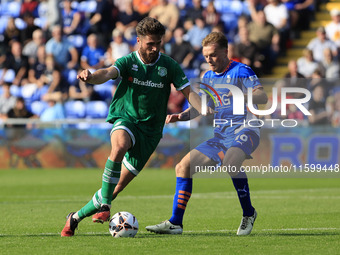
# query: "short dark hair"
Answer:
x=216 y=38
x=150 y=26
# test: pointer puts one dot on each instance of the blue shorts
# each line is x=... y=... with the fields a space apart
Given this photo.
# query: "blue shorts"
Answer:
x=216 y=147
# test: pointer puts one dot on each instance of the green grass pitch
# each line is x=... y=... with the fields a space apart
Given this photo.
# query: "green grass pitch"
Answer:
x=295 y=216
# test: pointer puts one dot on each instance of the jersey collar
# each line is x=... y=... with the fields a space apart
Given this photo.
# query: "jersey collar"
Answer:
x=151 y=64
x=227 y=68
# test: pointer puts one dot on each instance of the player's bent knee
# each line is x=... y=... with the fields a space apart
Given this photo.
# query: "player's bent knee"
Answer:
x=182 y=170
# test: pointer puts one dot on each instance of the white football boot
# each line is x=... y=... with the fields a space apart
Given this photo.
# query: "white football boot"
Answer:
x=246 y=226
x=165 y=227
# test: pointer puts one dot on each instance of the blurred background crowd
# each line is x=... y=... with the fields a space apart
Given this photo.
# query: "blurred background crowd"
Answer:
x=44 y=44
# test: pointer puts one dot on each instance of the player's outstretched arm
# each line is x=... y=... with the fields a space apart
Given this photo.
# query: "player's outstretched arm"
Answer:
x=195 y=100
x=188 y=114
x=98 y=77
x=260 y=96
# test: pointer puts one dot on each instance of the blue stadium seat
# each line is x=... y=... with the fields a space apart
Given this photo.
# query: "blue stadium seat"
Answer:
x=11 y=9
x=70 y=75
x=9 y=76
x=96 y=109
x=104 y=91
x=87 y=6
x=37 y=107
x=15 y=90
x=20 y=23
x=192 y=73
x=78 y=41
x=3 y=23
x=75 y=109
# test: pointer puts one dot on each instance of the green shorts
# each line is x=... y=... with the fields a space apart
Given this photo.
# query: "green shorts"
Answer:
x=142 y=145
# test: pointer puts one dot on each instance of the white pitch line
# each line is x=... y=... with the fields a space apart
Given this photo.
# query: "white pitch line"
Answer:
x=187 y=231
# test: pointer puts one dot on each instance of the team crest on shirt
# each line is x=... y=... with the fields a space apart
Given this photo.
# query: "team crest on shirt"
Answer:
x=162 y=71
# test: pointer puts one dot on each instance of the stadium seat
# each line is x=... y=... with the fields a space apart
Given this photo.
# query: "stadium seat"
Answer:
x=3 y=24
x=78 y=41
x=70 y=75
x=192 y=73
x=15 y=90
x=75 y=109
x=96 y=109
x=87 y=6
x=104 y=91
x=11 y=9
x=9 y=76
x=20 y=23
x=37 y=107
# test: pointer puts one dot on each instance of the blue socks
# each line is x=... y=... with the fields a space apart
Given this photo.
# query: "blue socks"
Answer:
x=181 y=198
x=240 y=182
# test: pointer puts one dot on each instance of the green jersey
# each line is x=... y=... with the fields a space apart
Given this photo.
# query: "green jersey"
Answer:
x=142 y=94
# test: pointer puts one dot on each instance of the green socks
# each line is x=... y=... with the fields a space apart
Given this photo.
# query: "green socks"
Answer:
x=110 y=179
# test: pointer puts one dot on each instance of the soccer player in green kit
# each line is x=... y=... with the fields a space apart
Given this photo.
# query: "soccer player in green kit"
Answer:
x=137 y=112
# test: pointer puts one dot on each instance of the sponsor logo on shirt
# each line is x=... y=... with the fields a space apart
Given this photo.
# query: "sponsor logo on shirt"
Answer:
x=134 y=67
x=148 y=83
x=253 y=78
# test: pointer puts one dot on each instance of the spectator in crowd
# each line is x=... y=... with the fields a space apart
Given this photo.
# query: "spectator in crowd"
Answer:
x=31 y=48
x=331 y=66
x=7 y=100
x=127 y=20
x=17 y=62
x=143 y=7
x=54 y=111
x=295 y=79
x=181 y=50
x=168 y=14
x=318 y=79
x=29 y=6
x=36 y=76
x=300 y=13
x=57 y=88
x=92 y=56
x=277 y=14
x=71 y=19
x=117 y=48
x=336 y=108
x=210 y=15
x=80 y=90
x=37 y=68
x=19 y=111
x=101 y=22
x=266 y=38
x=195 y=11
x=333 y=28
x=60 y=48
x=242 y=22
x=317 y=107
x=11 y=33
x=26 y=34
x=3 y=52
x=306 y=64
x=247 y=51
x=295 y=113
x=319 y=43
x=49 y=15
x=279 y=84
x=197 y=33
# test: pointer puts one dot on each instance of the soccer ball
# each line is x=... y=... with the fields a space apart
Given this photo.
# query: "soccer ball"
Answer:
x=123 y=224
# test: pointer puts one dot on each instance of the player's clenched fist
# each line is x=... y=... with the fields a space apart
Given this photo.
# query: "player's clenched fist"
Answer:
x=84 y=75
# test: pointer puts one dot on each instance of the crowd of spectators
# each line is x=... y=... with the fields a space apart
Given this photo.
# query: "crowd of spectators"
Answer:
x=44 y=43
